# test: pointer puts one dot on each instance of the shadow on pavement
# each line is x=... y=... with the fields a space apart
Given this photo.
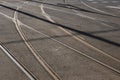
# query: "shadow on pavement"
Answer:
x=104 y=31
x=69 y=6
x=36 y=39
x=65 y=27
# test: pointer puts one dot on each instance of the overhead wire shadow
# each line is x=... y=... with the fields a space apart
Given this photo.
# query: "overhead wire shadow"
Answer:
x=65 y=27
x=36 y=39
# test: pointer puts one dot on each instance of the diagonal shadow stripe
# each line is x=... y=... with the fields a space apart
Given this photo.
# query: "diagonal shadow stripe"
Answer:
x=65 y=27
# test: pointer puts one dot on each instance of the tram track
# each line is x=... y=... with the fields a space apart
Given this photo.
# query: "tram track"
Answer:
x=19 y=65
x=31 y=48
x=72 y=49
x=19 y=29
x=80 y=39
x=38 y=57
x=72 y=7
x=77 y=13
x=96 y=9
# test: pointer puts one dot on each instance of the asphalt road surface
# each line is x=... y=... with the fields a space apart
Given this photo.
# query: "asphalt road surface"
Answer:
x=59 y=40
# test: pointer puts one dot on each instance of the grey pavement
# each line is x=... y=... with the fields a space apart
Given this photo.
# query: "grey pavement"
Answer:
x=60 y=39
